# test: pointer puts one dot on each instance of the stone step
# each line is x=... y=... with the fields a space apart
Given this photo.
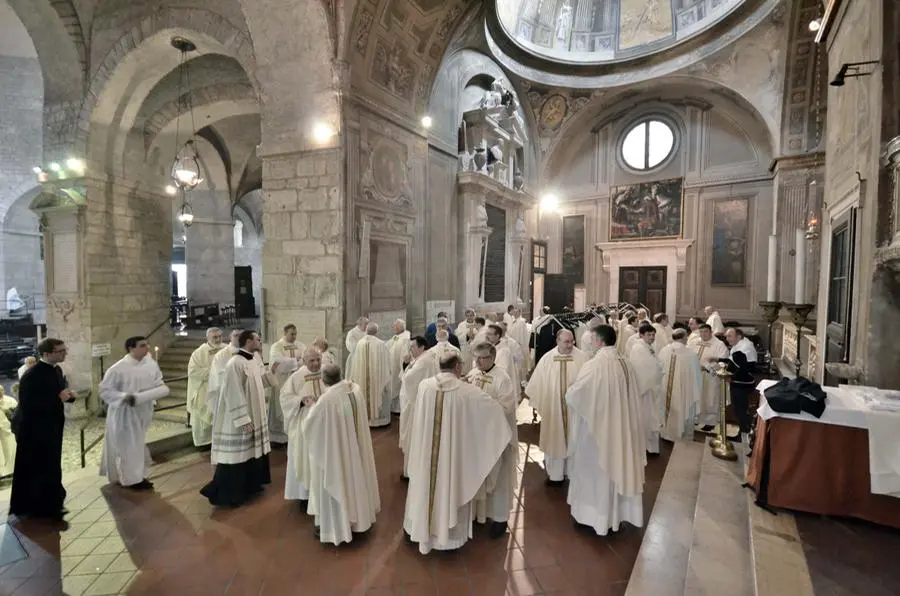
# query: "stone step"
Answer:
x=662 y=562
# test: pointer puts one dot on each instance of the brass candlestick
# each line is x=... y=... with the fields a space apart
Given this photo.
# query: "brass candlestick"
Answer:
x=720 y=445
x=799 y=315
x=770 y=315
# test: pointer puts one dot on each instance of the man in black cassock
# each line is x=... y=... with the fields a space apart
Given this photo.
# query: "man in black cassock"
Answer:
x=37 y=489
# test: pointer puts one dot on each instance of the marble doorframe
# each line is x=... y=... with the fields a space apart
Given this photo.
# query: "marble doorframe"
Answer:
x=389 y=228
x=671 y=254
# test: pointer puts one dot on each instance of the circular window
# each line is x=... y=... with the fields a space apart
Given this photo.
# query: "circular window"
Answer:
x=648 y=144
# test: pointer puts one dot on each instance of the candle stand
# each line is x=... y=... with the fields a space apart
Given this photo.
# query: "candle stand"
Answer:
x=799 y=315
x=770 y=315
x=720 y=445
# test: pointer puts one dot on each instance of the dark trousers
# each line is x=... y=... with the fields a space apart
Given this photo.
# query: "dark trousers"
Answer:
x=740 y=402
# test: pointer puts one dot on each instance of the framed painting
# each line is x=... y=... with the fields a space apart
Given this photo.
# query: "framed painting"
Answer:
x=729 y=242
x=646 y=211
x=573 y=247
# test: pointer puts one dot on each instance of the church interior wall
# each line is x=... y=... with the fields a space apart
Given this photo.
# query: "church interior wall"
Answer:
x=249 y=253
x=721 y=153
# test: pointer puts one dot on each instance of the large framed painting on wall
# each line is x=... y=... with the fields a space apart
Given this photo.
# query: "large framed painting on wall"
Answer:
x=573 y=247
x=647 y=210
x=729 y=242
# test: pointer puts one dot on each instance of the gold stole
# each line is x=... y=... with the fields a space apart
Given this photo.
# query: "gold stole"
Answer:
x=214 y=351
x=669 y=384
x=482 y=381
x=563 y=386
x=625 y=371
x=316 y=380
x=435 y=452
x=355 y=412
x=290 y=349
x=703 y=376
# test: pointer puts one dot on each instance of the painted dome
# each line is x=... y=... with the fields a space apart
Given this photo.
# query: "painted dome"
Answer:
x=604 y=31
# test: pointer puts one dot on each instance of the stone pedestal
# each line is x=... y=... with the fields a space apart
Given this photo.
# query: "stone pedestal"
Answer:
x=303 y=255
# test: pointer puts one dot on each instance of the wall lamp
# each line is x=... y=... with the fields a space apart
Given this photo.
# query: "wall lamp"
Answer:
x=850 y=70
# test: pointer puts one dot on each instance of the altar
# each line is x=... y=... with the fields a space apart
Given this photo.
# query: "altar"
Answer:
x=828 y=465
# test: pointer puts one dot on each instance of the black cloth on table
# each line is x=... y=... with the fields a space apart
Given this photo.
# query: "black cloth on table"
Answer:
x=236 y=484
x=38 y=422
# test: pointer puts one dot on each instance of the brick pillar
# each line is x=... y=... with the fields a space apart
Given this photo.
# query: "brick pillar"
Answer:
x=303 y=252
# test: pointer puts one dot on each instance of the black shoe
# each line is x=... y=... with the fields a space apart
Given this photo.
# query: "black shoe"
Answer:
x=404 y=478
x=316 y=532
x=549 y=482
x=142 y=485
x=498 y=529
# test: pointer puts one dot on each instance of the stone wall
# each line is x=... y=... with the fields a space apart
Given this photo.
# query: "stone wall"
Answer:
x=303 y=254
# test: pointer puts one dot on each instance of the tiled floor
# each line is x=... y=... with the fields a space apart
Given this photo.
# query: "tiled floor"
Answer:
x=850 y=557
x=173 y=542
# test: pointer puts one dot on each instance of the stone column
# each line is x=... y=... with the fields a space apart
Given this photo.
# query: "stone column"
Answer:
x=477 y=234
x=516 y=253
x=209 y=250
x=303 y=252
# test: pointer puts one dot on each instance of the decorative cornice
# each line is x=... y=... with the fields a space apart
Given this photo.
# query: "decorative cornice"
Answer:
x=678 y=246
x=494 y=192
x=797 y=162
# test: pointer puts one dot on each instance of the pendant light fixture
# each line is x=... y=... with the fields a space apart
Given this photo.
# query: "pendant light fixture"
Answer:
x=185 y=171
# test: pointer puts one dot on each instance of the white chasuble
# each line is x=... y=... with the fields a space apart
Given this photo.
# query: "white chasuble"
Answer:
x=499 y=488
x=649 y=373
x=198 y=405
x=398 y=346
x=709 y=353
x=693 y=338
x=456 y=438
x=126 y=459
x=441 y=349
x=519 y=333
x=353 y=337
x=418 y=370
x=370 y=368
x=507 y=360
x=607 y=443
x=682 y=378
x=343 y=486
x=626 y=333
x=242 y=400
x=465 y=333
x=546 y=391
x=217 y=375
x=288 y=357
x=663 y=337
x=715 y=321
x=298 y=394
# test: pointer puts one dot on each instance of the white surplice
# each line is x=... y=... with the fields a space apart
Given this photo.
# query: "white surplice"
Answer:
x=715 y=321
x=419 y=369
x=546 y=391
x=301 y=386
x=242 y=400
x=709 y=353
x=288 y=356
x=398 y=346
x=197 y=393
x=499 y=489
x=457 y=436
x=681 y=385
x=370 y=368
x=217 y=375
x=649 y=374
x=607 y=444
x=7 y=438
x=126 y=459
x=344 y=488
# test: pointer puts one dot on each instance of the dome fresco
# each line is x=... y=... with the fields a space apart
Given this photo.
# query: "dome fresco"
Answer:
x=599 y=31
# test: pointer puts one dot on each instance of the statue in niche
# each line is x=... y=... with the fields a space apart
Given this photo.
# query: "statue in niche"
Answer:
x=493 y=97
x=480 y=216
x=564 y=22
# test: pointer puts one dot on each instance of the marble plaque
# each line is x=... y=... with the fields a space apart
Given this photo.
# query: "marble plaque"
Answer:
x=310 y=324
x=65 y=263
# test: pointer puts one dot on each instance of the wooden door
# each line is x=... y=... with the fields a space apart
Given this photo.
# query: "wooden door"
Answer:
x=644 y=285
x=243 y=292
x=559 y=292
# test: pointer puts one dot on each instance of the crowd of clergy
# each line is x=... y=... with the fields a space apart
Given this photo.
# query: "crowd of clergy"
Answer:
x=605 y=398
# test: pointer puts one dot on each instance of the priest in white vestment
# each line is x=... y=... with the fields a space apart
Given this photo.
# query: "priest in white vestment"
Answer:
x=343 y=497
x=370 y=368
x=130 y=388
x=217 y=369
x=480 y=331
x=355 y=334
x=710 y=349
x=694 y=327
x=499 y=489
x=457 y=436
x=714 y=320
x=198 y=386
x=627 y=329
x=465 y=333
x=241 y=445
x=505 y=358
x=508 y=316
x=607 y=442
x=649 y=375
x=443 y=347
x=421 y=366
x=546 y=391
x=7 y=438
x=519 y=332
x=398 y=346
x=682 y=380
x=328 y=356
x=663 y=332
x=288 y=353
x=298 y=394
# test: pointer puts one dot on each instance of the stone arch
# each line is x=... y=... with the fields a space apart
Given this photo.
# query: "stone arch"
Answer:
x=139 y=60
x=21 y=253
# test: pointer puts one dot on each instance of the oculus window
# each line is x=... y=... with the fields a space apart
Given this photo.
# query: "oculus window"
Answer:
x=647 y=144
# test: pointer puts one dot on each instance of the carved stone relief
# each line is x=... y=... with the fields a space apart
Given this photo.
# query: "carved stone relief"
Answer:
x=386 y=176
x=392 y=70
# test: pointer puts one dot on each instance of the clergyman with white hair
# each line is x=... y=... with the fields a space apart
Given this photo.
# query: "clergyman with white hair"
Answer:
x=398 y=346
x=198 y=405
x=369 y=366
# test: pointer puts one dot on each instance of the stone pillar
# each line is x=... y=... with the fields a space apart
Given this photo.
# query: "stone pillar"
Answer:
x=517 y=245
x=303 y=252
x=209 y=250
x=477 y=234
